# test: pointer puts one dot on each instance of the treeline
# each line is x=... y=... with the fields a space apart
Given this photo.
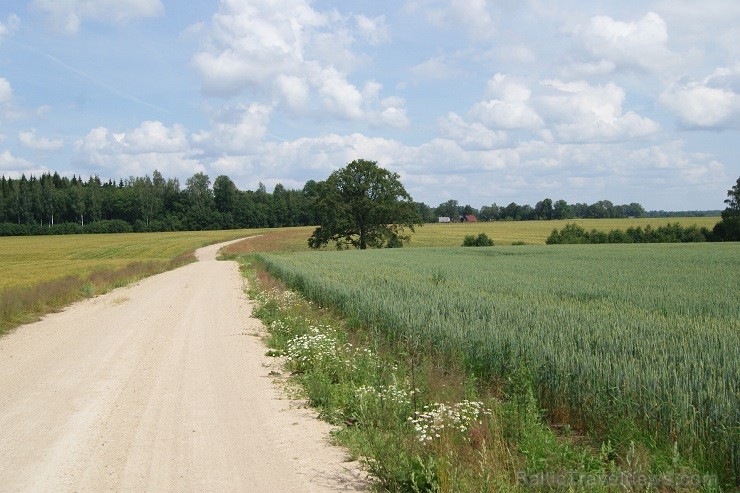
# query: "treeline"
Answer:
x=727 y=229
x=545 y=209
x=52 y=204
x=670 y=233
x=711 y=213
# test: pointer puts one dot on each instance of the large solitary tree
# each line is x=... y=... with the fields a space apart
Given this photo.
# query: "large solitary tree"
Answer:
x=363 y=205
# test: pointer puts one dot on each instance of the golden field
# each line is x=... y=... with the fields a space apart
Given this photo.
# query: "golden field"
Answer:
x=453 y=234
x=534 y=232
x=28 y=260
x=45 y=273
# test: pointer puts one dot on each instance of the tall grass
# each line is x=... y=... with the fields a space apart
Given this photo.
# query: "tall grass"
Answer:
x=42 y=274
x=628 y=342
x=28 y=260
x=25 y=304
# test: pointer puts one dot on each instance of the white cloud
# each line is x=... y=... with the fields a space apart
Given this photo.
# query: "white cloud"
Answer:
x=374 y=30
x=13 y=166
x=388 y=112
x=670 y=165
x=154 y=136
x=294 y=91
x=339 y=96
x=390 y=116
x=9 y=26
x=68 y=15
x=700 y=106
x=6 y=92
x=472 y=136
x=328 y=152
x=138 y=151
x=286 y=54
x=509 y=106
x=334 y=47
x=710 y=26
x=474 y=18
x=642 y=44
x=31 y=141
x=234 y=166
x=440 y=67
x=251 y=44
x=236 y=129
x=713 y=102
x=581 y=112
x=531 y=170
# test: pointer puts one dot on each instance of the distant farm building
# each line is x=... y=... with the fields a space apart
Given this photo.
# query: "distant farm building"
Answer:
x=469 y=218
x=444 y=219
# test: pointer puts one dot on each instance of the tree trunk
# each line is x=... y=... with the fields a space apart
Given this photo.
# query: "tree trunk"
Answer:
x=363 y=238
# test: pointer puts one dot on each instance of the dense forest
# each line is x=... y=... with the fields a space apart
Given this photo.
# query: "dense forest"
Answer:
x=54 y=204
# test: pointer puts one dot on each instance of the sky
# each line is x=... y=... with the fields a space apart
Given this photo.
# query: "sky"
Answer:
x=472 y=100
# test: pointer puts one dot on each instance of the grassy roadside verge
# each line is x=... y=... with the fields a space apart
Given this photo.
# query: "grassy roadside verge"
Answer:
x=44 y=274
x=26 y=304
x=421 y=423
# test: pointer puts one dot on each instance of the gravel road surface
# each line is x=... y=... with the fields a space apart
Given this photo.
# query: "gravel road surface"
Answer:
x=160 y=386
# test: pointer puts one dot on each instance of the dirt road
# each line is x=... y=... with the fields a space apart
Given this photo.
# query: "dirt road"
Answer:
x=160 y=386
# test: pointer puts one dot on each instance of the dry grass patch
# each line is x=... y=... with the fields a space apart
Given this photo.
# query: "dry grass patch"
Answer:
x=273 y=240
x=44 y=273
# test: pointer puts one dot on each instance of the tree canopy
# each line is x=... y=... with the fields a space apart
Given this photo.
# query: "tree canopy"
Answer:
x=728 y=229
x=733 y=201
x=363 y=205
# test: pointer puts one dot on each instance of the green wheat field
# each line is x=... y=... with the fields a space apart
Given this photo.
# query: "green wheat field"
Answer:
x=634 y=335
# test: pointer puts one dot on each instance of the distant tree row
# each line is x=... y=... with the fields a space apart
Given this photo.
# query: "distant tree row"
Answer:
x=52 y=203
x=545 y=209
x=709 y=213
x=727 y=229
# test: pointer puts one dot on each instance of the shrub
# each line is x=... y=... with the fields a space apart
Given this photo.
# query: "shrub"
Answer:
x=481 y=240
x=394 y=242
x=571 y=233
